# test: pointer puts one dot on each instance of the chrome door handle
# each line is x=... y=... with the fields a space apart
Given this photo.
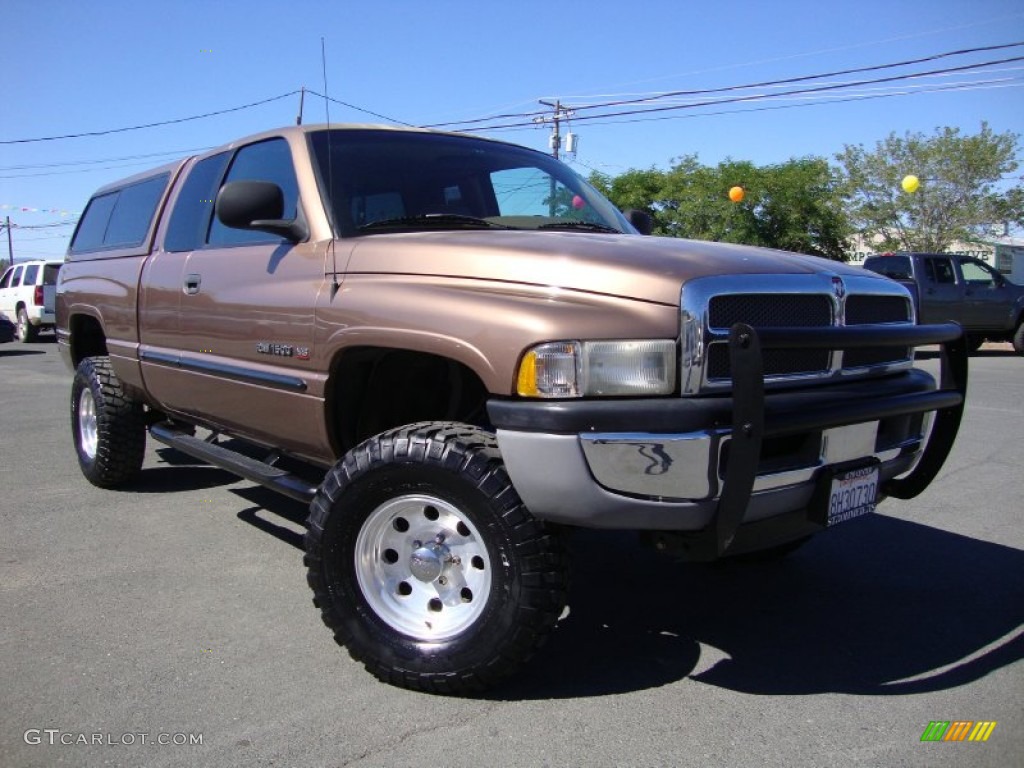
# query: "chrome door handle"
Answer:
x=192 y=284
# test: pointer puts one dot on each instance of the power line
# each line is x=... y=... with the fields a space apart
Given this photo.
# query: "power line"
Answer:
x=150 y=125
x=359 y=109
x=766 y=97
x=31 y=166
x=707 y=91
x=839 y=100
x=804 y=78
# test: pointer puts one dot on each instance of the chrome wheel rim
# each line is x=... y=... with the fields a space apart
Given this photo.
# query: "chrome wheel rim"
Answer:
x=423 y=567
x=87 y=428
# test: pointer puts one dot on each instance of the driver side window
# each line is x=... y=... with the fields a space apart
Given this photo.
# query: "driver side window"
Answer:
x=269 y=160
x=976 y=273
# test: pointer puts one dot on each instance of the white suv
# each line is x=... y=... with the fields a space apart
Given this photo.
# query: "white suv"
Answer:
x=27 y=295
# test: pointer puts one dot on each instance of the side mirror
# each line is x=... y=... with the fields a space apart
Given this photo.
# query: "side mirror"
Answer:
x=641 y=220
x=258 y=205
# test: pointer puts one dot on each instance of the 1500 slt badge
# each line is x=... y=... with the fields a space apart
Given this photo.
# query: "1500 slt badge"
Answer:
x=282 y=350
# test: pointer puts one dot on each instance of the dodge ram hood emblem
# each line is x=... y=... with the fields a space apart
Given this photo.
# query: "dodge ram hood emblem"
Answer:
x=838 y=288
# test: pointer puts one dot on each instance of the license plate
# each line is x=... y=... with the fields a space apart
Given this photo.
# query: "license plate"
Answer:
x=853 y=493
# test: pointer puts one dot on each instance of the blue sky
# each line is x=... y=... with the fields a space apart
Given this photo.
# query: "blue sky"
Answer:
x=73 y=67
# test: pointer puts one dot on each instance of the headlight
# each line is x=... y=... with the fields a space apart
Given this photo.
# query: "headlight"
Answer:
x=598 y=368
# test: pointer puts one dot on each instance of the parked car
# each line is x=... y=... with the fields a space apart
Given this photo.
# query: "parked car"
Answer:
x=960 y=289
x=27 y=296
x=453 y=347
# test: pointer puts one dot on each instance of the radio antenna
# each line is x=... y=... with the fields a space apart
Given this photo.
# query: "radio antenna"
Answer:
x=330 y=175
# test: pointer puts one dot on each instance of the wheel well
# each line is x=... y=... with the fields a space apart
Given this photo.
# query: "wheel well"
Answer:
x=373 y=389
x=87 y=338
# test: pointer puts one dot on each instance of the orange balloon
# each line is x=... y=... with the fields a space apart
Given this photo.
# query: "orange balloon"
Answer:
x=736 y=194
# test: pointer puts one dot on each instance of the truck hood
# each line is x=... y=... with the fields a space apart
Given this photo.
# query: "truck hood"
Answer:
x=651 y=269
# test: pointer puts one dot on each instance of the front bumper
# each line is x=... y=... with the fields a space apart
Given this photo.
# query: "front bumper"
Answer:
x=725 y=468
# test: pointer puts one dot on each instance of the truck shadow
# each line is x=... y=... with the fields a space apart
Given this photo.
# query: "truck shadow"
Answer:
x=881 y=607
x=884 y=607
x=175 y=471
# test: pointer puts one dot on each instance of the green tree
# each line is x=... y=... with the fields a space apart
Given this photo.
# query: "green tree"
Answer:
x=958 y=197
x=795 y=205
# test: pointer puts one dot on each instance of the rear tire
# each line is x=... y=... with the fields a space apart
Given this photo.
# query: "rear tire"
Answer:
x=26 y=331
x=1018 y=338
x=427 y=566
x=108 y=426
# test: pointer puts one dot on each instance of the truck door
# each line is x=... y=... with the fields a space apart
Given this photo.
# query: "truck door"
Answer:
x=986 y=299
x=941 y=295
x=245 y=326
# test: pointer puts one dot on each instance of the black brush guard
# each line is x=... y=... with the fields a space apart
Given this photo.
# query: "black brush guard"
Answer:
x=750 y=427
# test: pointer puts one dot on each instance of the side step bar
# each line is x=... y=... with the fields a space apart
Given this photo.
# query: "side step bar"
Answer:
x=239 y=464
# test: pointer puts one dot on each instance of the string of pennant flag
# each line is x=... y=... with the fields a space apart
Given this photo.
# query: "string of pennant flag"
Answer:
x=30 y=209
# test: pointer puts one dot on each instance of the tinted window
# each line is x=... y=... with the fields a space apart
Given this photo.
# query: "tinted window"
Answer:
x=191 y=216
x=31 y=272
x=266 y=161
x=133 y=212
x=16 y=280
x=941 y=271
x=120 y=219
x=896 y=267
x=50 y=274
x=6 y=278
x=367 y=175
x=93 y=225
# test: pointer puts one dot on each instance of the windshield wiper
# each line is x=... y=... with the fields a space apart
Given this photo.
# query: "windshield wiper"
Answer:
x=431 y=221
x=586 y=226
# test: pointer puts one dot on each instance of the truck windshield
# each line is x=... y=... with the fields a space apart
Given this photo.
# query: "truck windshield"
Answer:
x=378 y=181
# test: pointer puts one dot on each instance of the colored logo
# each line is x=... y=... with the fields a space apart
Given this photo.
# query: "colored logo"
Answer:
x=958 y=730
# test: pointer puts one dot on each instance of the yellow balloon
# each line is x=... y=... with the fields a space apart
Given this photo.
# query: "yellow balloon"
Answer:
x=911 y=183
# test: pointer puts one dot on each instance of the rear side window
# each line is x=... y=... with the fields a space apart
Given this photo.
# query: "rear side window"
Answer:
x=31 y=273
x=896 y=267
x=265 y=161
x=93 y=226
x=120 y=219
x=194 y=206
x=134 y=211
x=50 y=274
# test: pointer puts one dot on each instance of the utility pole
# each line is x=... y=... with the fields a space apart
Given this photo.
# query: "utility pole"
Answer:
x=561 y=113
x=10 y=247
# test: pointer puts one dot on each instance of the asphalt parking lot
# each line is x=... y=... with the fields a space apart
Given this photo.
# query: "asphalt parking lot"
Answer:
x=170 y=624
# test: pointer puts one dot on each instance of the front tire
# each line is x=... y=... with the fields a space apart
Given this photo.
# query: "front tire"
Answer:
x=108 y=426
x=427 y=566
x=1018 y=338
x=26 y=331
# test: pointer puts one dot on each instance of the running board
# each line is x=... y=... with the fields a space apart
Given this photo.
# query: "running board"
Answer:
x=239 y=464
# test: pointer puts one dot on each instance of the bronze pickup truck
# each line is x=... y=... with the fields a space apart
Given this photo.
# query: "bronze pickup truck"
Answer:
x=453 y=348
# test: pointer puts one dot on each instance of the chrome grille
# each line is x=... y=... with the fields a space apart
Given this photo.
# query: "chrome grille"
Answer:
x=710 y=306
